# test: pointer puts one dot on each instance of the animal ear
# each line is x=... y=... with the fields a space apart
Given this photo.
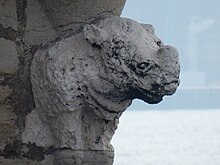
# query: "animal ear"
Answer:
x=94 y=34
x=149 y=28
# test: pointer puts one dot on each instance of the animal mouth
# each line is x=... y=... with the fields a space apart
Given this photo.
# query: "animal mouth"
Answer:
x=146 y=95
x=152 y=99
x=170 y=88
x=156 y=93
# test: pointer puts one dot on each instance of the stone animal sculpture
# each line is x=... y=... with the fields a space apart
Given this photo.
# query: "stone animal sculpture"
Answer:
x=83 y=83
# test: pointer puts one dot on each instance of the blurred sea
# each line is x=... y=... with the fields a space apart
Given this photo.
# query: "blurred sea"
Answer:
x=168 y=137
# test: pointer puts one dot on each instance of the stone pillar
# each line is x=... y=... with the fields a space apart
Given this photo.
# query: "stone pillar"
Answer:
x=68 y=70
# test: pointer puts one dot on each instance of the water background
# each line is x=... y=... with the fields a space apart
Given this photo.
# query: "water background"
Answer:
x=168 y=137
x=178 y=137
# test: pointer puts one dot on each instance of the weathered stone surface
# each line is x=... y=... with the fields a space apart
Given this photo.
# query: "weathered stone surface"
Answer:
x=7 y=125
x=39 y=29
x=67 y=157
x=8 y=15
x=65 y=13
x=84 y=82
x=7 y=117
x=8 y=57
x=5 y=93
x=49 y=160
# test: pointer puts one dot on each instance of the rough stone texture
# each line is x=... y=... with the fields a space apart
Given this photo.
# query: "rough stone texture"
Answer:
x=24 y=26
x=8 y=15
x=67 y=157
x=39 y=29
x=5 y=93
x=64 y=14
x=83 y=83
x=49 y=160
x=7 y=125
x=7 y=117
x=8 y=57
x=89 y=67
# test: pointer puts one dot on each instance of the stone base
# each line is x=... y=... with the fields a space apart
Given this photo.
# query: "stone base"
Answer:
x=69 y=157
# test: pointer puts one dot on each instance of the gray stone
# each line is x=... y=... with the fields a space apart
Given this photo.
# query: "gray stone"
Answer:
x=64 y=13
x=8 y=15
x=49 y=160
x=5 y=92
x=83 y=83
x=8 y=57
x=7 y=125
x=39 y=29
x=67 y=157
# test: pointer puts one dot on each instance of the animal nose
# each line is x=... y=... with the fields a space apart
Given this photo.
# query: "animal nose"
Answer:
x=169 y=59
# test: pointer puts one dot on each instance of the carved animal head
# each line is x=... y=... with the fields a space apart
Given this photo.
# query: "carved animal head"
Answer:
x=138 y=63
x=104 y=67
x=90 y=78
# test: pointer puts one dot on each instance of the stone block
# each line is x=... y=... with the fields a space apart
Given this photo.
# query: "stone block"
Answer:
x=8 y=57
x=65 y=12
x=38 y=30
x=8 y=15
x=5 y=91
x=7 y=124
x=47 y=161
x=68 y=157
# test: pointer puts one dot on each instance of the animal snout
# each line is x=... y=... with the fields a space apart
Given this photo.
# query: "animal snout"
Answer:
x=167 y=52
x=168 y=58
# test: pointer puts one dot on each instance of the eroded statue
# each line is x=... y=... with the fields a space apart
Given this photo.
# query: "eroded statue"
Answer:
x=82 y=84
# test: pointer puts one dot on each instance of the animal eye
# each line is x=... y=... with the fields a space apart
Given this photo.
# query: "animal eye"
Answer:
x=143 y=65
x=159 y=43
